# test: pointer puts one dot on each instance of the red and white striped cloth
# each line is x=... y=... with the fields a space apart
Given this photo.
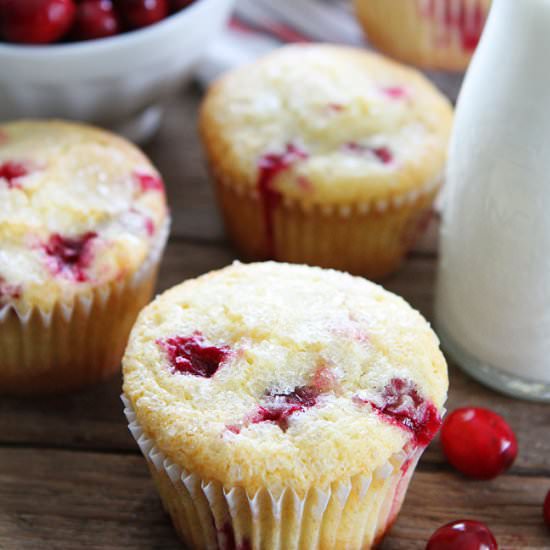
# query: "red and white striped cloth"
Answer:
x=258 y=26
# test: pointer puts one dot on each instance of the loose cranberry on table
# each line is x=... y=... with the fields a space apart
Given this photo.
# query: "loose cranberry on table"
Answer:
x=463 y=535
x=478 y=442
x=35 y=21
x=95 y=19
x=546 y=509
x=142 y=13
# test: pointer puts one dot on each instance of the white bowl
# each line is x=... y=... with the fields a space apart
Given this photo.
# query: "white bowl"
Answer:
x=116 y=82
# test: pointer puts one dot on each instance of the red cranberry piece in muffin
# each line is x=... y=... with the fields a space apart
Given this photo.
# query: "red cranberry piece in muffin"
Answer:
x=401 y=403
x=96 y=19
x=279 y=407
x=381 y=153
x=463 y=535
x=193 y=355
x=270 y=166
x=395 y=92
x=478 y=442
x=149 y=182
x=70 y=256
x=466 y=19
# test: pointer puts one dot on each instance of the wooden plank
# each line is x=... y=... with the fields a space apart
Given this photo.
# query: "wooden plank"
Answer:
x=63 y=500
x=60 y=500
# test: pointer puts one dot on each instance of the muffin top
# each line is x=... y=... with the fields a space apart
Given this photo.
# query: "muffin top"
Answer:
x=326 y=124
x=79 y=208
x=278 y=375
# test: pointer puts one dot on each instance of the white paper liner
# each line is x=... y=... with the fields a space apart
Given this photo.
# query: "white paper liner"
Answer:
x=354 y=513
x=83 y=337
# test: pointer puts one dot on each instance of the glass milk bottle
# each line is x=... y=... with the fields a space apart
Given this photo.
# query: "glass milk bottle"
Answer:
x=493 y=290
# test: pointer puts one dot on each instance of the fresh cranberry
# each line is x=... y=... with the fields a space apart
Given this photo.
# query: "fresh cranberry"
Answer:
x=192 y=355
x=546 y=509
x=335 y=107
x=11 y=172
x=149 y=182
x=270 y=166
x=35 y=21
x=149 y=226
x=70 y=256
x=303 y=396
x=177 y=5
x=478 y=442
x=463 y=535
x=142 y=13
x=471 y=28
x=96 y=19
x=279 y=407
x=401 y=403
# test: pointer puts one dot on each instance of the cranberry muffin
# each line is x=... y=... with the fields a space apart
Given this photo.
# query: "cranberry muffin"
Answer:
x=282 y=406
x=433 y=34
x=325 y=155
x=83 y=222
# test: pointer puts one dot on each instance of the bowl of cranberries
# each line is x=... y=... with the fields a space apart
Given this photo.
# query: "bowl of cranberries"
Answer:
x=109 y=62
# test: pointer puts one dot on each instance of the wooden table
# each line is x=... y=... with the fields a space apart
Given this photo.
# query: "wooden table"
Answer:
x=72 y=477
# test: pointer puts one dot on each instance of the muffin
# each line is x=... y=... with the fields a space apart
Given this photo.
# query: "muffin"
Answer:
x=83 y=222
x=325 y=155
x=433 y=34
x=282 y=406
